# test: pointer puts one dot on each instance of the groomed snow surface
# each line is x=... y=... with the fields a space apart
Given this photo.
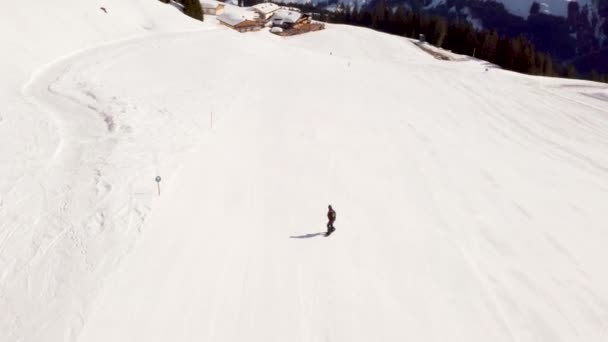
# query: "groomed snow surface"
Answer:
x=471 y=204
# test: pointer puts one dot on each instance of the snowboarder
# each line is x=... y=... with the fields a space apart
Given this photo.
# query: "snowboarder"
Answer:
x=331 y=216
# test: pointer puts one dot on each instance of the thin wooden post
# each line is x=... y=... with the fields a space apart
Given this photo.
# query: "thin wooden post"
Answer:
x=158 y=179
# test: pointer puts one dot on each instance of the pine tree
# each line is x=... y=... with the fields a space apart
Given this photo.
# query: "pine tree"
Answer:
x=535 y=8
x=548 y=67
x=571 y=71
x=540 y=61
x=365 y=18
x=441 y=31
x=399 y=21
x=356 y=15
x=573 y=15
x=379 y=15
x=193 y=9
x=489 y=46
x=348 y=13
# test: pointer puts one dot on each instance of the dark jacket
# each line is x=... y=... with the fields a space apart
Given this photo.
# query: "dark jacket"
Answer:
x=331 y=215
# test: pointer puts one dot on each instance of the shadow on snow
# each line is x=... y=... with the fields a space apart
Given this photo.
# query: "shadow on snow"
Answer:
x=307 y=236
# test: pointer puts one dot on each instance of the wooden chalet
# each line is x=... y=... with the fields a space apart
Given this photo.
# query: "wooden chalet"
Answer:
x=212 y=7
x=240 y=23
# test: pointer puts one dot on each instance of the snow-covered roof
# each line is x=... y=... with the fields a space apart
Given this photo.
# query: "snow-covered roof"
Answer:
x=211 y=4
x=236 y=18
x=286 y=16
x=266 y=7
x=291 y=8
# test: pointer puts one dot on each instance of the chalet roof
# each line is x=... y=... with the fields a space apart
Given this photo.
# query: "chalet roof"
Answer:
x=233 y=19
x=286 y=16
x=211 y=4
x=266 y=7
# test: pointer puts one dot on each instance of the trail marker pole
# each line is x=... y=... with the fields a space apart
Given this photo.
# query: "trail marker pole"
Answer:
x=158 y=179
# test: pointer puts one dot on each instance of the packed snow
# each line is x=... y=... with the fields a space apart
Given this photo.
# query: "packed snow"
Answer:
x=471 y=201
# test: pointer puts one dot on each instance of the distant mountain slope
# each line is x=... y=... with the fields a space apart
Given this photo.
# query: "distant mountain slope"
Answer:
x=554 y=7
x=517 y=7
x=568 y=31
x=581 y=32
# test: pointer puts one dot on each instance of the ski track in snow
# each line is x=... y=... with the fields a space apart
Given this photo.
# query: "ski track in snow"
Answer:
x=88 y=135
x=470 y=205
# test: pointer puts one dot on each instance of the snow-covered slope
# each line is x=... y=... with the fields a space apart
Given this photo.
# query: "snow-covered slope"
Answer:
x=68 y=164
x=471 y=204
x=35 y=34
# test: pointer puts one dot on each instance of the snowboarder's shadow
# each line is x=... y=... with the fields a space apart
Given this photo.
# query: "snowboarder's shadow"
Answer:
x=307 y=236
